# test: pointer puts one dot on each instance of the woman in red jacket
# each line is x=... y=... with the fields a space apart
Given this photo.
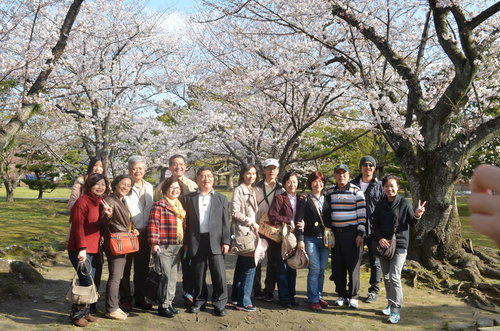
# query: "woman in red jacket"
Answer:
x=165 y=236
x=282 y=212
x=83 y=243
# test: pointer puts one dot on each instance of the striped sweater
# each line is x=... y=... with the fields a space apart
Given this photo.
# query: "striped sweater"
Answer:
x=346 y=208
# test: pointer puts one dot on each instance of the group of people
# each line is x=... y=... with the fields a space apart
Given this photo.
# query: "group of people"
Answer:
x=186 y=224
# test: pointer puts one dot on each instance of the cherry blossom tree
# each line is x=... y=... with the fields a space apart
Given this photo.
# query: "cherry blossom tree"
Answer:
x=250 y=99
x=33 y=37
x=426 y=73
x=109 y=84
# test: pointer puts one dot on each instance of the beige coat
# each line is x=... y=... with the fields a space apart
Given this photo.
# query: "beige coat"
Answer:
x=244 y=210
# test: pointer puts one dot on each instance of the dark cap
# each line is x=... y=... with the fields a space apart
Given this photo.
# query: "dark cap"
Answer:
x=367 y=158
x=341 y=167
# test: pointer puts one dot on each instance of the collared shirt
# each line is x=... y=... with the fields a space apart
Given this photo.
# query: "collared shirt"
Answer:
x=204 y=202
x=139 y=201
x=293 y=203
x=319 y=202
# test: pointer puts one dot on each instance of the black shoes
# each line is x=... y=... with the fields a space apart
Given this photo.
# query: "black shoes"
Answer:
x=165 y=312
x=196 y=309
x=173 y=310
x=220 y=312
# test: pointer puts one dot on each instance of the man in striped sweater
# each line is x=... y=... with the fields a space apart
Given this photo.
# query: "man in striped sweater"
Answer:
x=346 y=215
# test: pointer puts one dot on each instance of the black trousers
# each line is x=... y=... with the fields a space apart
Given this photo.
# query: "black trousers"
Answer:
x=217 y=268
x=140 y=259
x=273 y=256
x=346 y=260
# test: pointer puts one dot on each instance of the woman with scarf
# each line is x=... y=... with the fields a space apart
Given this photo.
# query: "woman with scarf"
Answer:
x=84 y=238
x=165 y=236
x=393 y=215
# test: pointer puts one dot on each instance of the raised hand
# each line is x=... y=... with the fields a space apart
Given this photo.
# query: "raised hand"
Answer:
x=420 y=209
x=108 y=210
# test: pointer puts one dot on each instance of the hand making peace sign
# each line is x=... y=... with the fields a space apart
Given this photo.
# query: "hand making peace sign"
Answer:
x=420 y=209
x=108 y=210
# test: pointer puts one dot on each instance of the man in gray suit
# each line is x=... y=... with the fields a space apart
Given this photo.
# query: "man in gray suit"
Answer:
x=207 y=238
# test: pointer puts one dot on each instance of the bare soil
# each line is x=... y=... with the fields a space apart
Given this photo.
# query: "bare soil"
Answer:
x=46 y=309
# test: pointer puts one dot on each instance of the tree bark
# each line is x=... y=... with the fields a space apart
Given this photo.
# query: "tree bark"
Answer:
x=10 y=186
x=9 y=131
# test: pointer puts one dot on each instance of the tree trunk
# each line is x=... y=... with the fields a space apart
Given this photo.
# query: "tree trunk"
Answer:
x=438 y=234
x=10 y=186
x=40 y=194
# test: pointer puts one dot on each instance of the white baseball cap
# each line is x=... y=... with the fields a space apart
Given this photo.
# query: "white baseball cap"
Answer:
x=270 y=162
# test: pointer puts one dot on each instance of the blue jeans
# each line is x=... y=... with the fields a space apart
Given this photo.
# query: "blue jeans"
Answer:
x=244 y=274
x=85 y=276
x=318 y=259
x=287 y=278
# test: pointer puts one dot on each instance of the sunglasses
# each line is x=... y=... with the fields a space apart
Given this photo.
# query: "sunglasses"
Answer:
x=368 y=165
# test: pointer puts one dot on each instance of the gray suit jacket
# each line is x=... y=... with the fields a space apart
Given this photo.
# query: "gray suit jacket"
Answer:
x=218 y=222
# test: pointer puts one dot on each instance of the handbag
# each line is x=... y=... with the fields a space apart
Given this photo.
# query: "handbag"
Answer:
x=244 y=244
x=299 y=260
x=386 y=253
x=269 y=230
x=121 y=243
x=328 y=236
x=289 y=243
x=82 y=295
x=156 y=283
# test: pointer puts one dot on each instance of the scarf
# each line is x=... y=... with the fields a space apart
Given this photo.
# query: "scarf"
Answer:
x=180 y=214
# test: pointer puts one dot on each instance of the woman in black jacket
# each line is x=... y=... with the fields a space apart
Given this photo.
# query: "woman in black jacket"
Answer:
x=394 y=215
x=310 y=238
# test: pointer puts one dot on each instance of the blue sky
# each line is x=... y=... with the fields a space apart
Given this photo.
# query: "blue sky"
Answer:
x=183 y=6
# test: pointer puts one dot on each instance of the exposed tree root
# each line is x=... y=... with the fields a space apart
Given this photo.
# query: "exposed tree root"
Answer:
x=473 y=267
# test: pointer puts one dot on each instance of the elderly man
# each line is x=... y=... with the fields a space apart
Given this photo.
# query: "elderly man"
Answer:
x=346 y=216
x=207 y=239
x=177 y=165
x=373 y=191
x=267 y=189
x=139 y=202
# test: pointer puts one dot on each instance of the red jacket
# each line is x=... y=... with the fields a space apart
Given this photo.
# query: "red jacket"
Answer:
x=281 y=210
x=85 y=229
x=162 y=225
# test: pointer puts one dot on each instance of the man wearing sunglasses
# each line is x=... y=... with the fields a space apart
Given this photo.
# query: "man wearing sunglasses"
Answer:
x=373 y=191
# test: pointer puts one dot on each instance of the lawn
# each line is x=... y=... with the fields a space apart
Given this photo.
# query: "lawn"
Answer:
x=34 y=223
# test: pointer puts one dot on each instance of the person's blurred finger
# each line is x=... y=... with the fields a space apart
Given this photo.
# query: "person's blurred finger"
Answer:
x=482 y=203
x=485 y=178
x=488 y=225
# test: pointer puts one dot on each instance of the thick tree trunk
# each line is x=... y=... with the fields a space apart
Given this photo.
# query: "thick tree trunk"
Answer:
x=40 y=194
x=438 y=234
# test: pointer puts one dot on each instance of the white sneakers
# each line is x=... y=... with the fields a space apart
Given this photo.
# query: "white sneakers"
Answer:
x=351 y=303
x=340 y=302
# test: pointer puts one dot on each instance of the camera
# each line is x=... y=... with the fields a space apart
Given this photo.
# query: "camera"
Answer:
x=419 y=240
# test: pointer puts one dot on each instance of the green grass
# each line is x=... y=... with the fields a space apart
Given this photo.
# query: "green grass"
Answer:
x=35 y=223
x=26 y=193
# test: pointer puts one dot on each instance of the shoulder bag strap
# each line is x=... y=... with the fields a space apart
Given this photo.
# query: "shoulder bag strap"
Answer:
x=319 y=213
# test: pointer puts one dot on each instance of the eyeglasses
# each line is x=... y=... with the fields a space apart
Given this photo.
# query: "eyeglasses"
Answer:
x=368 y=165
x=174 y=188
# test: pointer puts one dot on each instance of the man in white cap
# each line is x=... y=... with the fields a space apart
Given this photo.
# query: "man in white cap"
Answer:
x=267 y=189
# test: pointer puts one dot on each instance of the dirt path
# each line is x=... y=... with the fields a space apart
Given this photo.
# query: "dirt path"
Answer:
x=424 y=309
